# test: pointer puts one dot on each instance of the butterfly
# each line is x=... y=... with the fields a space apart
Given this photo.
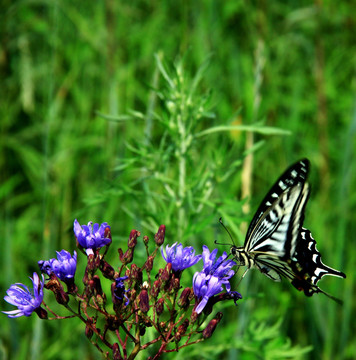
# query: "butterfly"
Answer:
x=277 y=244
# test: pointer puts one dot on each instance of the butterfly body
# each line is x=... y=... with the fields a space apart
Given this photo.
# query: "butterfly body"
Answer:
x=277 y=244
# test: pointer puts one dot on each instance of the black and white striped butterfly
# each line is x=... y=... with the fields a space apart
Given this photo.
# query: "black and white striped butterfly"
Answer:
x=277 y=244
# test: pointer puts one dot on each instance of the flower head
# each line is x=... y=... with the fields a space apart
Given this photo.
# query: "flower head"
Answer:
x=215 y=274
x=63 y=267
x=26 y=300
x=91 y=236
x=180 y=258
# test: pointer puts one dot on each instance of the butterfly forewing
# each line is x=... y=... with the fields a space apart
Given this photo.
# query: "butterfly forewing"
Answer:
x=277 y=230
x=295 y=174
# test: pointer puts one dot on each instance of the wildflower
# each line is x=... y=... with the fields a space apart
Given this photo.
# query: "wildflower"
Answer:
x=180 y=258
x=210 y=281
x=27 y=301
x=92 y=236
x=63 y=267
x=119 y=290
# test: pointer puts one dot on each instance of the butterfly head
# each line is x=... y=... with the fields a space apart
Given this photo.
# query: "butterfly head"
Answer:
x=240 y=255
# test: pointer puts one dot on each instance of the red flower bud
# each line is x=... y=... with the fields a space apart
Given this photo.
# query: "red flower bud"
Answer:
x=156 y=287
x=54 y=285
x=107 y=233
x=159 y=236
x=144 y=301
x=107 y=270
x=97 y=285
x=184 y=299
x=176 y=283
x=42 y=313
x=127 y=257
x=194 y=317
x=208 y=331
x=183 y=327
x=132 y=242
x=145 y=239
x=159 y=306
x=166 y=272
x=136 y=274
x=149 y=263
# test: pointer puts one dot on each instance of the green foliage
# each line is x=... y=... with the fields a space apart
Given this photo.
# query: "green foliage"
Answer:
x=96 y=126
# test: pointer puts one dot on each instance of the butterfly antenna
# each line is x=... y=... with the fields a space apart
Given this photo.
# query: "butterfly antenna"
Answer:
x=227 y=230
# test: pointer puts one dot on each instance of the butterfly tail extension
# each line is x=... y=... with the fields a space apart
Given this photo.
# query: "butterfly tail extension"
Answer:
x=310 y=290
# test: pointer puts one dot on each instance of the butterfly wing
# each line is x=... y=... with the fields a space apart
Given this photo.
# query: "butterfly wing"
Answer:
x=307 y=265
x=277 y=230
x=295 y=174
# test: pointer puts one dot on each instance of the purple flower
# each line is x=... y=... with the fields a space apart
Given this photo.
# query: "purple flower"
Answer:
x=180 y=258
x=91 y=236
x=119 y=291
x=27 y=301
x=215 y=274
x=63 y=267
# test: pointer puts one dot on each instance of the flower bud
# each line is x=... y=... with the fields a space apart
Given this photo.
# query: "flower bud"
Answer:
x=166 y=272
x=101 y=300
x=194 y=317
x=159 y=236
x=54 y=285
x=159 y=306
x=97 y=284
x=127 y=257
x=149 y=263
x=175 y=283
x=182 y=329
x=132 y=242
x=93 y=262
x=107 y=270
x=156 y=287
x=145 y=239
x=144 y=301
x=107 y=233
x=184 y=300
x=42 y=313
x=116 y=355
x=136 y=274
x=208 y=331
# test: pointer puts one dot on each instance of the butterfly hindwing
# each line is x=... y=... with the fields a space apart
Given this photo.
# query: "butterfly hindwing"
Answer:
x=308 y=265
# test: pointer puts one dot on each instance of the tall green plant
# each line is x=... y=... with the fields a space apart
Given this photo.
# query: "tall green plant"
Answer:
x=171 y=170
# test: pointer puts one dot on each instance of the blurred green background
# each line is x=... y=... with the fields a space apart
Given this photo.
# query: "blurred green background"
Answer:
x=120 y=112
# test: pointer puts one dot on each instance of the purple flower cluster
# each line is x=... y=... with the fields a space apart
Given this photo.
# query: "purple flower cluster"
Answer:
x=180 y=258
x=91 y=236
x=139 y=297
x=63 y=267
x=26 y=300
x=215 y=274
